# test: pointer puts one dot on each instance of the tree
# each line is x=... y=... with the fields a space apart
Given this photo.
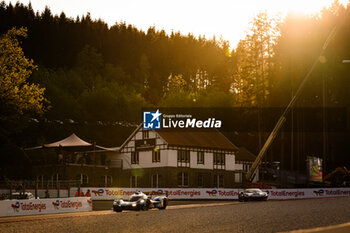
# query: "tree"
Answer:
x=254 y=62
x=17 y=95
x=18 y=99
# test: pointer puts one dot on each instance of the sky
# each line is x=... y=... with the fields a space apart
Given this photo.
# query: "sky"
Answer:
x=228 y=19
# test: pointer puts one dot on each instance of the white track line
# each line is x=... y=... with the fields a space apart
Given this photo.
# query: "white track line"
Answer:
x=341 y=228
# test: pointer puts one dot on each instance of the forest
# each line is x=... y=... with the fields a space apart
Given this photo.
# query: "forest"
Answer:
x=94 y=80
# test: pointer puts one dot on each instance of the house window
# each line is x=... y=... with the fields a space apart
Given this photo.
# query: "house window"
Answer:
x=155 y=155
x=183 y=158
x=133 y=182
x=200 y=180
x=183 y=179
x=155 y=181
x=218 y=181
x=238 y=177
x=145 y=134
x=108 y=181
x=246 y=167
x=219 y=160
x=200 y=157
x=135 y=157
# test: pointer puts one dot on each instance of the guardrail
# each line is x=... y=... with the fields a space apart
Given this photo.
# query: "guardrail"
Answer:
x=44 y=206
x=188 y=193
x=77 y=204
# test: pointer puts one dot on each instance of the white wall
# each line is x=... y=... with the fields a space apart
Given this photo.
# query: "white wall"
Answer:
x=168 y=158
x=126 y=157
x=44 y=206
x=138 y=135
x=208 y=161
x=131 y=143
x=238 y=166
x=3 y=208
x=230 y=162
x=145 y=159
x=172 y=158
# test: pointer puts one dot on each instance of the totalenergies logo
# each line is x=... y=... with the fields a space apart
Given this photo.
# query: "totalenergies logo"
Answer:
x=212 y=193
x=98 y=192
x=158 y=192
x=319 y=192
x=15 y=207
x=56 y=204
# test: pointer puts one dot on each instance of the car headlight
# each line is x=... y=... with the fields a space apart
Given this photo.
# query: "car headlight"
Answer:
x=142 y=201
x=133 y=204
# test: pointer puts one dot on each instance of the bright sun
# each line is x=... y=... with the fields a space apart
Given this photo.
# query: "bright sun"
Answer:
x=301 y=6
x=227 y=18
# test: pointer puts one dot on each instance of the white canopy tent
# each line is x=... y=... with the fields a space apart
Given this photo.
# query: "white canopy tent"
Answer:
x=73 y=141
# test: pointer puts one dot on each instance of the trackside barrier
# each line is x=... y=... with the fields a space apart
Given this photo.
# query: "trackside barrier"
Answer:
x=44 y=206
x=188 y=193
x=3 y=208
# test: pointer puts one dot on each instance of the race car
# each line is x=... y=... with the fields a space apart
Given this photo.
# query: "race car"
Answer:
x=21 y=195
x=140 y=201
x=252 y=194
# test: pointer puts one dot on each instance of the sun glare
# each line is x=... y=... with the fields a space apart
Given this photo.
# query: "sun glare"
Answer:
x=304 y=6
x=226 y=18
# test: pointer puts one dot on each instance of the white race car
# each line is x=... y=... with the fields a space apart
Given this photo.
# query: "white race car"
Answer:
x=253 y=194
x=140 y=201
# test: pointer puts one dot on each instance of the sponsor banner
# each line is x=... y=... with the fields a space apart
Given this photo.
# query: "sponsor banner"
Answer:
x=173 y=193
x=47 y=206
x=188 y=193
x=287 y=193
x=331 y=192
x=3 y=208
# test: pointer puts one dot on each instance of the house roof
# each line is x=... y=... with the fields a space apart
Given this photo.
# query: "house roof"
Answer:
x=212 y=139
x=245 y=155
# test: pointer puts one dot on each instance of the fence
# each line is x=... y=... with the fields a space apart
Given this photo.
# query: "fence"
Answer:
x=38 y=188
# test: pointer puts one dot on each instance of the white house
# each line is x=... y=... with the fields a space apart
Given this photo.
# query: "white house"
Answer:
x=186 y=158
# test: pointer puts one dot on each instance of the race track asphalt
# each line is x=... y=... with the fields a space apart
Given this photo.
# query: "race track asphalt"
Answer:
x=270 y=216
